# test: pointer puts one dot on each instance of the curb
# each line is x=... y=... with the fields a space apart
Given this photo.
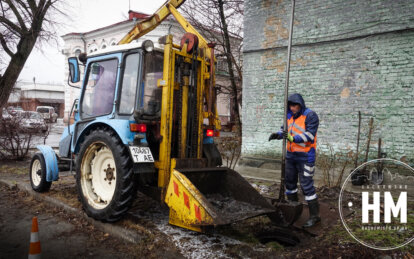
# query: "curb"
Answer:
x=263 y=163
x=114 y=230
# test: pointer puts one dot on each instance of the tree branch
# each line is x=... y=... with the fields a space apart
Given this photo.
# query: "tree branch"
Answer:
x=45 y=8
x=23 y=4
x=12 y=26
x=32 y=5
x=2 y=8
x=5 y=47
x=17 y=14
x=41 y=4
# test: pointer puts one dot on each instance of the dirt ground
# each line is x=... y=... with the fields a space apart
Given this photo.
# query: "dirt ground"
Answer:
x=63 y=235
x=66 y=235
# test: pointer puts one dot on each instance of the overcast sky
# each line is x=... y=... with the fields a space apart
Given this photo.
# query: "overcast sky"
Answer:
x=47 y=64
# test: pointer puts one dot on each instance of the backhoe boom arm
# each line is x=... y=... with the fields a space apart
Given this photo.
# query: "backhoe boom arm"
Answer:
x=147 y=25
x=150 y=23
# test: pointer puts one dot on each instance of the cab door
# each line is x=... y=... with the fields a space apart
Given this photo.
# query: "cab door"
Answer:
x=99 y=87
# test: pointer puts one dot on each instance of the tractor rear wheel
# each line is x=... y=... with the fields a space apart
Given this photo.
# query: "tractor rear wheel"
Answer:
x=104 y=176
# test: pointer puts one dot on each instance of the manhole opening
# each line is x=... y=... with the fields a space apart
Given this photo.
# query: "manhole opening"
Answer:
x=284 y=238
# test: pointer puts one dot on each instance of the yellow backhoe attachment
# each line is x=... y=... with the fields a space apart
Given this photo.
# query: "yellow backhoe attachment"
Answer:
x=199 y=198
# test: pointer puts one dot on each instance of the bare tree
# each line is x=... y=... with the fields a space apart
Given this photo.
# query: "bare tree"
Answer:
x=15 y=138
x=222 y=21
x=22 y=22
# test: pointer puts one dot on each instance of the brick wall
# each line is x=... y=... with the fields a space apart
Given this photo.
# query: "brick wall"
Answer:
x=348 y=56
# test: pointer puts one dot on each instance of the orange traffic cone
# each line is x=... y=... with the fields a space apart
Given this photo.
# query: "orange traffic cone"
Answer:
x=34 y=252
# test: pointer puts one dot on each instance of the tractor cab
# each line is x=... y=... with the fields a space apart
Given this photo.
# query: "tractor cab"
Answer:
x=120 y=90
x=120 y=82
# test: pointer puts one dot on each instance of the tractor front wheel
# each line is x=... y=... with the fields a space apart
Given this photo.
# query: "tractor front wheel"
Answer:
x=104 y=176
x=38 y=174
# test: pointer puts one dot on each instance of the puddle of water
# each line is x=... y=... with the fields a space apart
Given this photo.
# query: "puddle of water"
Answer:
x=263 y=189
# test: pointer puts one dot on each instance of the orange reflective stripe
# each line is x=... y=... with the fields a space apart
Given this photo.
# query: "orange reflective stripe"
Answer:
x=298 y=148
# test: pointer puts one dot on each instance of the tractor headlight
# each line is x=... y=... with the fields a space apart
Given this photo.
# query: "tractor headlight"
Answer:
x=148 y=45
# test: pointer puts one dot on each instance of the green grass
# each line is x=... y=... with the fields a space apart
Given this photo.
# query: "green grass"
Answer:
x=384 y=238
x=14 y=170
x=275 y=246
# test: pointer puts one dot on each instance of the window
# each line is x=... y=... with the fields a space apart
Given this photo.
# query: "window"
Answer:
x=151 y=94
x=43 y=110
x=129 y=84
x=222 y=64
x=98 y=97
x=77 y=52
x=93 y=47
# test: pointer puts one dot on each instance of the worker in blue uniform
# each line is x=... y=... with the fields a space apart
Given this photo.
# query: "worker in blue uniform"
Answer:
x=302 y=125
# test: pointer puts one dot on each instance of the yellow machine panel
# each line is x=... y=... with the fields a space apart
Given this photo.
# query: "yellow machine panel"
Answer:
x=202 y=197
x=189 y=208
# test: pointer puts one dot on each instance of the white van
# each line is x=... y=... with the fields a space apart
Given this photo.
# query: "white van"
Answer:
x=48 y=113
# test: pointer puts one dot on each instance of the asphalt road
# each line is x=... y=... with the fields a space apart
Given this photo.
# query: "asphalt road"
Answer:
x=61 y=235
x=55 y=132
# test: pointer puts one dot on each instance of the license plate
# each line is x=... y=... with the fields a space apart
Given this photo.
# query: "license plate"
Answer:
x=141 y=154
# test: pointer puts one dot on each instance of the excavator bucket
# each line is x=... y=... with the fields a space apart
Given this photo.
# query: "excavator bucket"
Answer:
x=204 y=197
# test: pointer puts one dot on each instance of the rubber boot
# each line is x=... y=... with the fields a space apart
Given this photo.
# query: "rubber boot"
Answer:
x=313 y=214
x=292 y=197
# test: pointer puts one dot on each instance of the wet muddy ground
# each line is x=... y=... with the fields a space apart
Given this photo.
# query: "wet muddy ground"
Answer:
x=63 y=235
x=229 y=208
x=253 y=238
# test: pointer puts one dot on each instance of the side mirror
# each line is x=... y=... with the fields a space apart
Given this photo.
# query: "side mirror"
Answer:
x=74 y=74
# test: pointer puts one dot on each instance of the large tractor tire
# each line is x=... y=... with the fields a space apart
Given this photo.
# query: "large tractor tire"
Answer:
x=38 y=174
x=104 y=176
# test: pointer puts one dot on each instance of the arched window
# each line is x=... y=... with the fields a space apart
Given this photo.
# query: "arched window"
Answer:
x=113 y=42
x=104 y=44
x=77 y=52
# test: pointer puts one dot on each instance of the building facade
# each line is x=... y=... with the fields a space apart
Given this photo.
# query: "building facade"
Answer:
x=347 y=56
x=30 y=95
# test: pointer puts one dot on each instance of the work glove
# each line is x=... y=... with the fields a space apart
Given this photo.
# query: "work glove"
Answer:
x=274 y=136
x=287 y=136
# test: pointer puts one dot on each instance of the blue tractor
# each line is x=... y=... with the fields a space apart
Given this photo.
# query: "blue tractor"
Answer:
x=145 y=119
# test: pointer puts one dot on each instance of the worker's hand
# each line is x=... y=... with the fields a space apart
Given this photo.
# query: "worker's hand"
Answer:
x=274 y=136
x=287 y=136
